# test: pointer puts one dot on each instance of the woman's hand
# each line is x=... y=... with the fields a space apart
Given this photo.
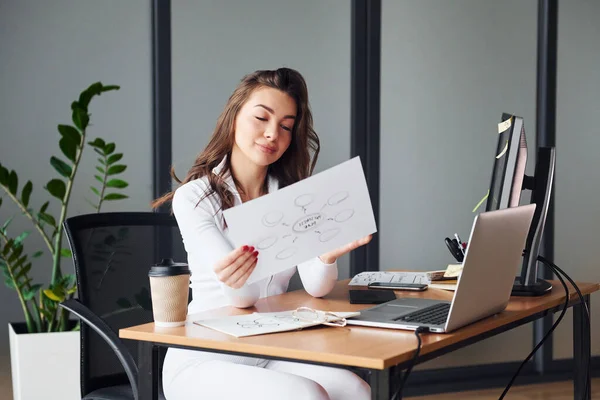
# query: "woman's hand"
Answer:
x=235 y=268
x=332 y=256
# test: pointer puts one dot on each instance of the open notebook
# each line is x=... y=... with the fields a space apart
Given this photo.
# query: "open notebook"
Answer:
x=262 y=323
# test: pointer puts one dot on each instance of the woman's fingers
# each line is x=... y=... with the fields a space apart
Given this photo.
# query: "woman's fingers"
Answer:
x=241 y=269
x=231 y=258
x=248 y=271
x=224 y=273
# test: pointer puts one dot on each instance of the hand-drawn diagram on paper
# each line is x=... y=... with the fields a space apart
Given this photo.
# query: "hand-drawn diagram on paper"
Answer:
x=304 y=220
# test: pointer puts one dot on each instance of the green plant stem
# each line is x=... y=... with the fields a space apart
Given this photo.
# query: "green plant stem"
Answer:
x=33 y=220
x=56 y=272
x=103 y=183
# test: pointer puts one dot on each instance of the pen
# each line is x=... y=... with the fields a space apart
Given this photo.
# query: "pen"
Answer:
x=460 y=244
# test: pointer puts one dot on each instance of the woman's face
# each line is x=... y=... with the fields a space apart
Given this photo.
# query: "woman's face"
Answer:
x=263 y=126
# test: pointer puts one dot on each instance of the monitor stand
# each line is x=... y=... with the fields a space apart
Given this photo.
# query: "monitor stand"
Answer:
x=528 y=283
x=539 y=288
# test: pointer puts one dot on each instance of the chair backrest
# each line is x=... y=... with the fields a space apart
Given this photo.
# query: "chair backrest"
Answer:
x=112 y=253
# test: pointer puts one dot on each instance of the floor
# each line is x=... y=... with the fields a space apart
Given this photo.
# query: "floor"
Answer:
x=546 y=391
x=5 y=387
x=543 y=391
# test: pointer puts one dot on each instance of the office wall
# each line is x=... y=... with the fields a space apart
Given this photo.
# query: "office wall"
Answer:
x=449 y=70
x=50 y=52
x=577 y=141
x=215 y=43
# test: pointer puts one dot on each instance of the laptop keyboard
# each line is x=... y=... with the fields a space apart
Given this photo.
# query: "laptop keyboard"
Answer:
x=436 y=314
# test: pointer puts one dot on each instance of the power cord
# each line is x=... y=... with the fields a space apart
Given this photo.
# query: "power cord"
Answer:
x=557 y=270
x=398 y=394
x=558 y=273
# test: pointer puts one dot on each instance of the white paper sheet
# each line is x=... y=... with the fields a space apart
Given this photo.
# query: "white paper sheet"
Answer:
x=304 y=220
x=262 y=323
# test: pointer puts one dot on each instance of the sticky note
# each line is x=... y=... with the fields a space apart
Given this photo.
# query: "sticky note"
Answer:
x=502 y=126
x=453 y=270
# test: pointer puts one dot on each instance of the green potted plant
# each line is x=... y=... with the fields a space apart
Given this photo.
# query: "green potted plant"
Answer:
x=47 y=336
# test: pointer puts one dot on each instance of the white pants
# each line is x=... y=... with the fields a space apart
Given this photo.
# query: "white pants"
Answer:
x=190 y=375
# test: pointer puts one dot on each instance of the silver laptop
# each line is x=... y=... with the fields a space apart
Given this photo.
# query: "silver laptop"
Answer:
x=491 y=262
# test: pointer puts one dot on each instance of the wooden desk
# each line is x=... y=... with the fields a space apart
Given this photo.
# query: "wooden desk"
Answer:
x=377 y=350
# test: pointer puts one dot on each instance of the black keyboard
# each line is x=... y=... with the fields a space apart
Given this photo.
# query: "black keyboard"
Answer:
x=436 y=314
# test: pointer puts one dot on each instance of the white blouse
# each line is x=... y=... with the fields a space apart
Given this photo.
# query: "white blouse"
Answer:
x=206 y=242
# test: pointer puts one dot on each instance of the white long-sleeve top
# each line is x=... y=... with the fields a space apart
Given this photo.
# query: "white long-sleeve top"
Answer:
x=206 y=242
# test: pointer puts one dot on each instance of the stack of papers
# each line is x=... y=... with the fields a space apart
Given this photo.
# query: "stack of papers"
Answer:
x=443 y=279
x=364 y=278
x=262 y=323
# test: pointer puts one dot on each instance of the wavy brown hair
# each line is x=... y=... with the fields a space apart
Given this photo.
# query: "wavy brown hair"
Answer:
x=296 y=163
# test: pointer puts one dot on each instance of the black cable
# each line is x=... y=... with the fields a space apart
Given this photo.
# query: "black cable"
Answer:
x=562 y=314
x=557 y=270
x=558 y=273
x=398 y=394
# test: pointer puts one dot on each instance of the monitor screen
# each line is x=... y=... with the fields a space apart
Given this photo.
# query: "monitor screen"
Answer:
x=509 y=164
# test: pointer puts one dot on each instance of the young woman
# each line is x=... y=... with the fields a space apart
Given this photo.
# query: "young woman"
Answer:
x=263 y=140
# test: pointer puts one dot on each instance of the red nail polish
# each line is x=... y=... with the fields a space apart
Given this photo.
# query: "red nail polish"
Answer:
x=251 y=248
x=245 y=248
x=255 y=254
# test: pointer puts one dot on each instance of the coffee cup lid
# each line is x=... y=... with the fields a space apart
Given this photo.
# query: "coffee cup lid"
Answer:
x=167 y=267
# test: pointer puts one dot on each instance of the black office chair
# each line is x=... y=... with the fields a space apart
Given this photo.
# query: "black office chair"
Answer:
x=112 y=253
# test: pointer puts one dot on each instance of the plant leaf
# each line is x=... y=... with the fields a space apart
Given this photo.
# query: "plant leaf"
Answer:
x=101 y=161
x=115 y=196
x=37 y=254
x=90 y=203
x=57 y=188
x=61 y=167
x=87 y=94
x=26 y=193
x=80 y=118
x=101 y=170
x=69 y=148
x=95 y=191
x=99 y=178
x=116 y=169
x=66 y=253
x=29 y=294
x=97 y=143
x=53 y=296
x=21 y=237
x=109 y=148
x=3 y=176
x=69 y=280
x=113 y=158
x=48 y=219
x=69 y=132
x=110 y=87
x=10 y=283
x=23 y=271
x=8 y=221
x=117 y=183
x=13 y=182
x=44 y=207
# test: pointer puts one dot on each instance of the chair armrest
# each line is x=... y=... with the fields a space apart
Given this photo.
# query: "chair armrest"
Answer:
x=109 y=336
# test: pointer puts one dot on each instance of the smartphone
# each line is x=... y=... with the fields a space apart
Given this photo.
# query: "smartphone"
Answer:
x=371 y=296
x=398 y=286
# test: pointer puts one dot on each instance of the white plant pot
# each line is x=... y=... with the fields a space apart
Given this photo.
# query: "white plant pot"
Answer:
x=44 y=365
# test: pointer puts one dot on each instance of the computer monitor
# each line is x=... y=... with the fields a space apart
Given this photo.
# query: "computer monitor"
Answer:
x=508 y=180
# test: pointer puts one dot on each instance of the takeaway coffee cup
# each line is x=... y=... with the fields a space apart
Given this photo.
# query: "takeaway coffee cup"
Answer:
x=169 y=287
